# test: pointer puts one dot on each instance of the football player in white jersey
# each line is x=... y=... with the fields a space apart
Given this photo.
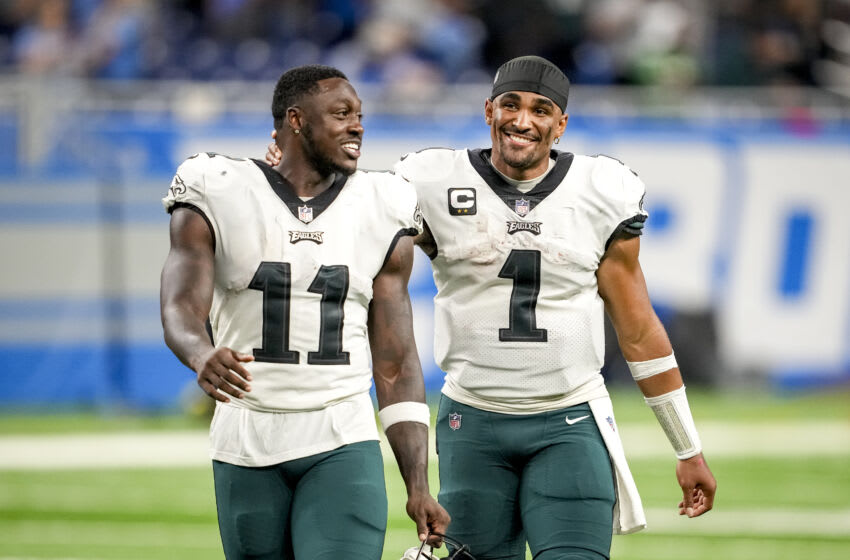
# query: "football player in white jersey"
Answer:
x=302 y=271
x=529 y=247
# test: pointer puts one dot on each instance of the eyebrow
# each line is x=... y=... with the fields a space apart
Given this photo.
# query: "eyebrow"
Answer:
x=544 y=101
x=346 y=102
x=541 y=100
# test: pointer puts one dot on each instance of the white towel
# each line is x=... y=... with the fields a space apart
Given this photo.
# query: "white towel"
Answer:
x=628 y=509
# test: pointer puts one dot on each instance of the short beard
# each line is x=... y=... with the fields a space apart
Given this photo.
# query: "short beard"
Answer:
x=524 y=162
x=320 y=162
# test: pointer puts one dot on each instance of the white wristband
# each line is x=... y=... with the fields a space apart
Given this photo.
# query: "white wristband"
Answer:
x=648 y=368
x=675 y=417
x=407 y=411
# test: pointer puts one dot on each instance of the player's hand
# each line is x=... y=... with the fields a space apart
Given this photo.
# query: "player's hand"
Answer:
x=698 y=486
x=273 y=154
x=429 y=516
x=221 y=373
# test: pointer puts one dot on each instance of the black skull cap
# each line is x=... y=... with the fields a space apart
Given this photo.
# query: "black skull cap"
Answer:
x=535 y=74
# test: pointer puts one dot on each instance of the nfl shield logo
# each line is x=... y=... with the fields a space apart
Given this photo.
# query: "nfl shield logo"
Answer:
x=522 y=207
x=454 y=421
x=305 y=214
x=611 y=423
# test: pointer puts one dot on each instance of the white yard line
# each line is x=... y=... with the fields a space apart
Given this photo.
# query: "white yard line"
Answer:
x=731 y=439
x=188 y=448
x=751 y=522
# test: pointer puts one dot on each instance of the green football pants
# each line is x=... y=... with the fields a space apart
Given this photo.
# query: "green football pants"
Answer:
x=545 y=479
x=327 y=506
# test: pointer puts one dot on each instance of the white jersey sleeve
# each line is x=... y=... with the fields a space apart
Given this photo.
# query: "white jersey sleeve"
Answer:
x=189 y=186
x=429 y=172
x=621 y=193
x=399 y=207
x=416 y=166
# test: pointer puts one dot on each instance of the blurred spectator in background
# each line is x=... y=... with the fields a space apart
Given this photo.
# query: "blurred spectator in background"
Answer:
x=42 y=43
x=832 y=68
x=664 y=44
x=645 y=42
x=453 y=37
x=769 y=42
x=110 y=43
x=385 y=52
x=414 y=46
x=546 y=28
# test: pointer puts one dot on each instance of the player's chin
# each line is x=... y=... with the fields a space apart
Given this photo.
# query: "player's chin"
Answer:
x=519 y=152
x=519 y=159
x=347 y=167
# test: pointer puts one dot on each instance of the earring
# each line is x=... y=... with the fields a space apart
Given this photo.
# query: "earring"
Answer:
x=557 y=139
x=296 y=131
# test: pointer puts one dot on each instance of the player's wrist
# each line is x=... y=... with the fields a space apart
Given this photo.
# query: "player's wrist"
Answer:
x=418 y=491
x=405 y=411
x=695 y=460
x=198 y=360
x=674 y=414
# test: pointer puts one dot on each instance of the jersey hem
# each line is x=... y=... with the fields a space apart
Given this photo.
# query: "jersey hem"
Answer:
x=291 y=455
x=593 y=388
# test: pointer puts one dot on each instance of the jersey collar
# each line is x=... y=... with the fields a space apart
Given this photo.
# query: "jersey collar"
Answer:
x=286 y=192
x=480 y=160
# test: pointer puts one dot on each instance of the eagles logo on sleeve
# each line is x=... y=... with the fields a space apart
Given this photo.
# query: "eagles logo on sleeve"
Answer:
x=417 y=217
x=178 y=187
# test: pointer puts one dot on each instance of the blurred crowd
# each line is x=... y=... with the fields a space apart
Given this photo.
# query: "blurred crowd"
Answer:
x=421 y=44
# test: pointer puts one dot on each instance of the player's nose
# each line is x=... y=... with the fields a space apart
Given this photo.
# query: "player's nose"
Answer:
x=356 y=127
x=522 y=120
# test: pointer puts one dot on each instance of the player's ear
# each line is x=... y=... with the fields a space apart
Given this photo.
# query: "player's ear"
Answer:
x=488 y=112
x=562 y=123
x=294 y=118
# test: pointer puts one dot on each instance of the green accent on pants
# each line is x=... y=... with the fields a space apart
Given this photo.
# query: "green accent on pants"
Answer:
x=506 y=479
x=327 y=506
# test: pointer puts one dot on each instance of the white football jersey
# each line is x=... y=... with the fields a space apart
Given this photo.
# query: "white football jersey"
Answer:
x=519 y=323
x=293 y=279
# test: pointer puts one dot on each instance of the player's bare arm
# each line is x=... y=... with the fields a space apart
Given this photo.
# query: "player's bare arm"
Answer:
x=642 y=338
x=398 y=379
x=186 y=290
x=640 y=334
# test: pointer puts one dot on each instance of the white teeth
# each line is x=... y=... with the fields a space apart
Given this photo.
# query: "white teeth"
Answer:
x=351 y=146
x=520 y=139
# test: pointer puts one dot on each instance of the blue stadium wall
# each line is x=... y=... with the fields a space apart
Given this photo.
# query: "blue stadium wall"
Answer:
x=748 y=226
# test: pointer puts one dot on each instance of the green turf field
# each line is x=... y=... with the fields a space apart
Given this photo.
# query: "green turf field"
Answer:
x=782 y=464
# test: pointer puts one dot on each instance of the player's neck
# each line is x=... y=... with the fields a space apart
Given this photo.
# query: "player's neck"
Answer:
x=516 y=175
x=306 y=182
